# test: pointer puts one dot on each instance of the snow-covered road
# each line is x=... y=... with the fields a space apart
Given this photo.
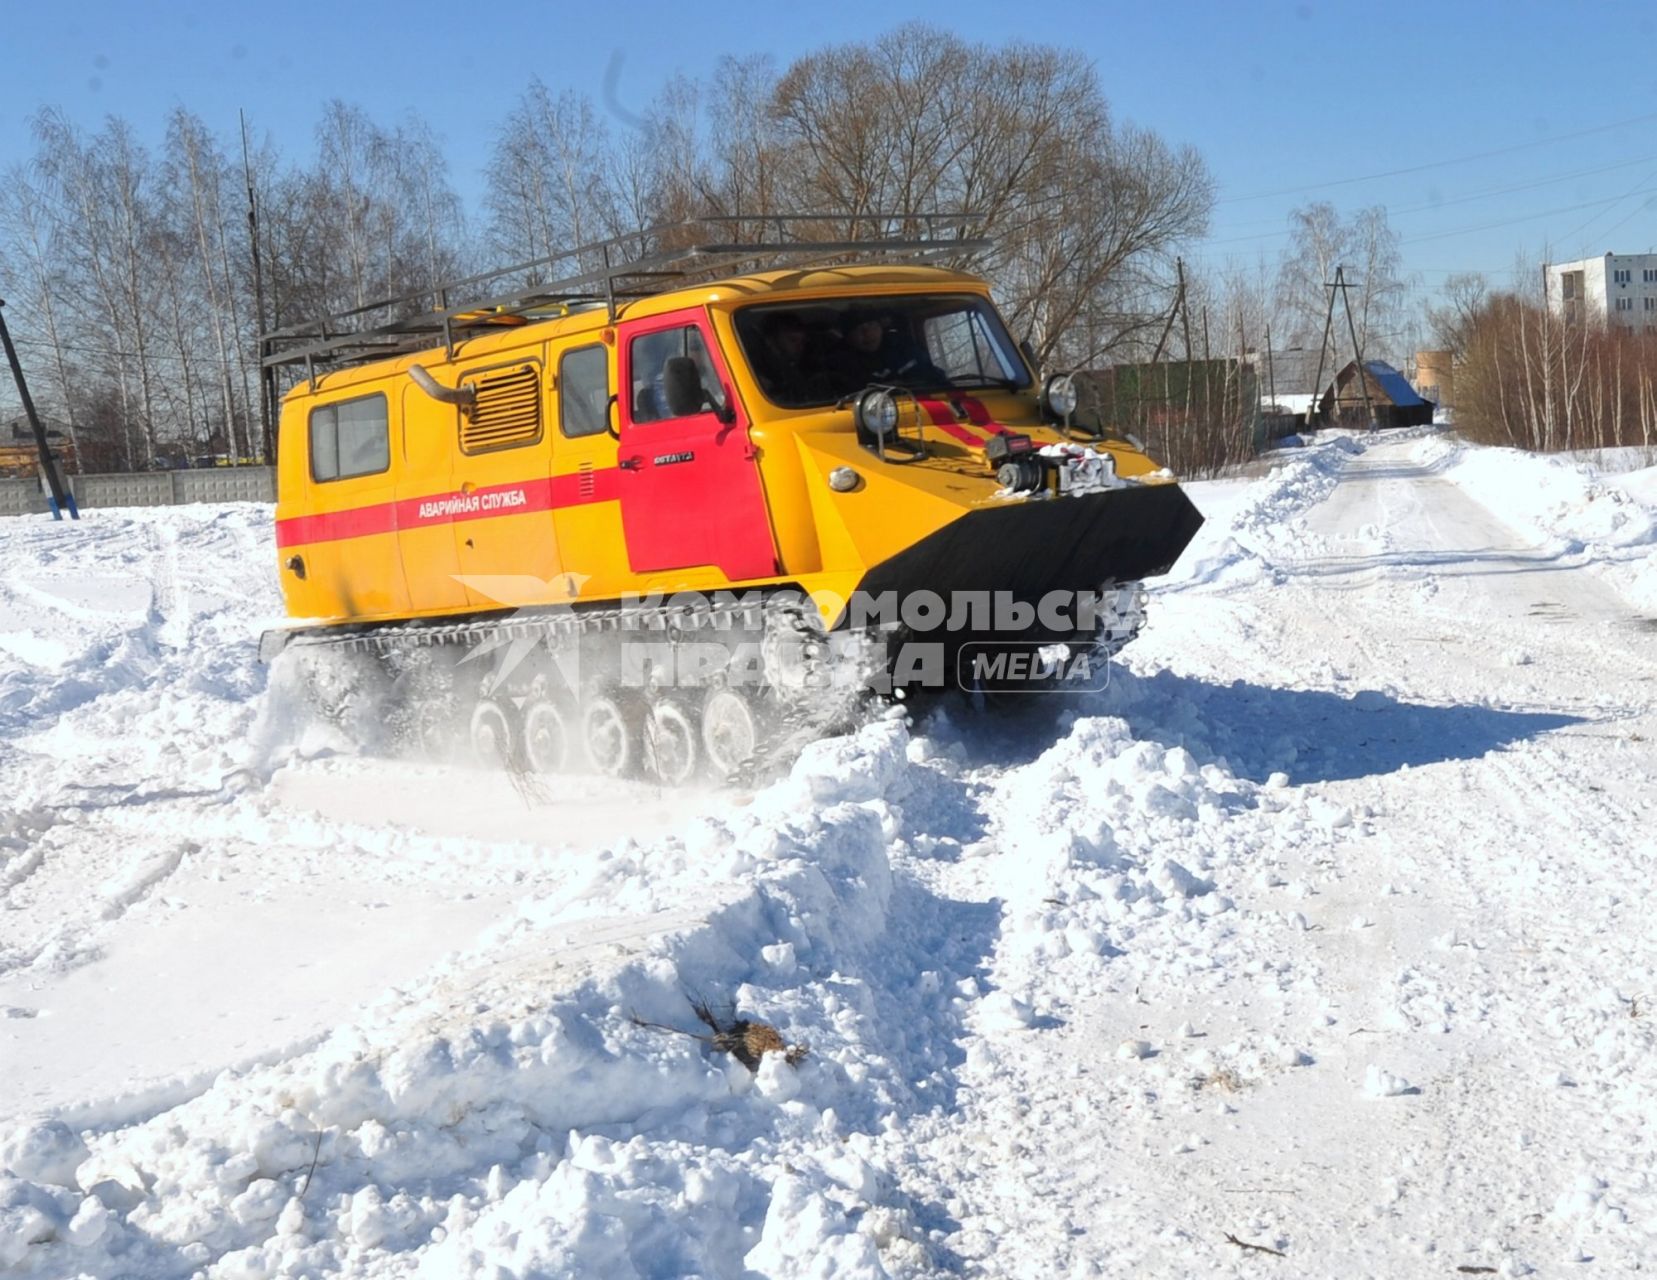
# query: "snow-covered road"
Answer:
x=1322 y=929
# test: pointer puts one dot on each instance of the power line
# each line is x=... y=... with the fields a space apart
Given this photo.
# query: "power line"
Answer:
x=1625 y=221
x=1440 y=164
x=45 y=344
x=1458 y=231
x=1462 y=271
x=1508 y=222
x=1488 y=193
x=1634 y=190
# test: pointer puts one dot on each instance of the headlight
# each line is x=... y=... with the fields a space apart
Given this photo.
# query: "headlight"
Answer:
x=877 y=413
x=1058 y=395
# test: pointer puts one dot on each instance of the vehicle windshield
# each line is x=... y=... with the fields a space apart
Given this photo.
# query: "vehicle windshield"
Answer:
x=806 y=354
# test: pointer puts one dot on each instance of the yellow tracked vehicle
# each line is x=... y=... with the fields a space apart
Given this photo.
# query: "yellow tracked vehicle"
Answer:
x=643 y=515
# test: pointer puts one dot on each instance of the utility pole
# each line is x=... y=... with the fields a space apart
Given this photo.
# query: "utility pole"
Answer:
x=1357 y=351
x=1173 y=311
x=1207 y=361
x=62 y=499
x=1178 y=309
x=1184 y=313
x=258 y=301
x=1323 y=350
x=1185 y=324
x=1340 y=285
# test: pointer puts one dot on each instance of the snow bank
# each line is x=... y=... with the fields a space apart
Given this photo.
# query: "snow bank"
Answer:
x=1565 y=501
x=507 y=1110
x=1554 y=496
x=1262 y=526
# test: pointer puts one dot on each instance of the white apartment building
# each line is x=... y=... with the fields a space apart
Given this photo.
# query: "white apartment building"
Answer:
x=1619 y=289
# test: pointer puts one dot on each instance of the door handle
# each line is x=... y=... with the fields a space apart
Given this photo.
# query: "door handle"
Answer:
x=630 y=464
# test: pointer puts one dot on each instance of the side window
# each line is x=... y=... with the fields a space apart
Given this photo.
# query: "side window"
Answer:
x=351 y=438
x=584 y=392
x=662 y=389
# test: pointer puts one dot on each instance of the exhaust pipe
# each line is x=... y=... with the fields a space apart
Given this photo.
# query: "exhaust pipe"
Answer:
x=463 y=397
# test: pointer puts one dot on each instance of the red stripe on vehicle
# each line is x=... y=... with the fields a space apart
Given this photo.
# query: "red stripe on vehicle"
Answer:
x=943 y=417
x=358 y=522
x=980 y=415
x=523 y=497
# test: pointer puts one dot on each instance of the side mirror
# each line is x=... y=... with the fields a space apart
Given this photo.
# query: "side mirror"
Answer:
x=723 y=410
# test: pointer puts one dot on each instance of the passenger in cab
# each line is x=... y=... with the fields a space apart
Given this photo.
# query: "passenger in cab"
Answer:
x=792 y=372
x=872 y=351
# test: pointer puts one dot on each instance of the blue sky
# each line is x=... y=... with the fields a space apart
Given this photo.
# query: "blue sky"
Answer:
x=1526 y=125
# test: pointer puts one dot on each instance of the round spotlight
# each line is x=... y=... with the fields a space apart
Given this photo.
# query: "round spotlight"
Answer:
x=843 y=479
x=877 y=412
x=1058 y=395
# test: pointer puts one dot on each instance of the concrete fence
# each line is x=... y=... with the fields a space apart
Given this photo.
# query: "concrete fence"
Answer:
x=146 y=489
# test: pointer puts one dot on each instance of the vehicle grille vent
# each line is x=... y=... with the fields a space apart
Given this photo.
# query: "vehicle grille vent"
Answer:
x=507 y=411
x=586 y=486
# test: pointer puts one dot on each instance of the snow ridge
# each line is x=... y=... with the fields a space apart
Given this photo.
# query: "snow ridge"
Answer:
x=1265 y=527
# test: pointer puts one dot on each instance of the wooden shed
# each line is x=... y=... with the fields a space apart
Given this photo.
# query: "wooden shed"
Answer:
x=1393 y=402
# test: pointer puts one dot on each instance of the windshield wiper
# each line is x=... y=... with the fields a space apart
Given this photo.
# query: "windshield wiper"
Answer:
x=971 y=380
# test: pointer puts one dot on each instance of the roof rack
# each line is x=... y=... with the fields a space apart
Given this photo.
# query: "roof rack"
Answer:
x=608 y=272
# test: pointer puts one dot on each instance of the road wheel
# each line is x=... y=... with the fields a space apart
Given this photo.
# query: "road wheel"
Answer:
x=610 y=731
x=672 y=746
x=546 y=736
x=497 y=733
x=730 y=731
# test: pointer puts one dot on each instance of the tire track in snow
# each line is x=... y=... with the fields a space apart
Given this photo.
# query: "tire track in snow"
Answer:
x=69 y=920
x=131 y=886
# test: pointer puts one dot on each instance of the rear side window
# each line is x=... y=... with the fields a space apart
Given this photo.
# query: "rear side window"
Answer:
x=351 y=438
x=584 y=392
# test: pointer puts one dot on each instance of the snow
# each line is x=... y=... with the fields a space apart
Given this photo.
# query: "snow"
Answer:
x=1600 y=507
x=1298 y=402
x=1323 y=928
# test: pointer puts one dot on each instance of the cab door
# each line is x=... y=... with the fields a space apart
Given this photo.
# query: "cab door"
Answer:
x=585 y=495
x=689 y=480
